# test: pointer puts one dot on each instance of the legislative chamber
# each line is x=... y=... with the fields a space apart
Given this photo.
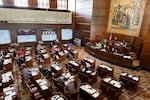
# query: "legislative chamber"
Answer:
x=74 y=50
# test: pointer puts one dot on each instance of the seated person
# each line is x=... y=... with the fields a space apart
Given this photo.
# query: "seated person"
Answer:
x=26 y=73
x=21 y=60
x=21 y=53
x=46 y=72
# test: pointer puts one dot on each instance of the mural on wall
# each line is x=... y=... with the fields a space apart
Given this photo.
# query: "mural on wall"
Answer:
x=125 y=16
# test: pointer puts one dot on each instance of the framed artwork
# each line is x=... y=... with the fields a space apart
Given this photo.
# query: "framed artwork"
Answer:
x=125 y=16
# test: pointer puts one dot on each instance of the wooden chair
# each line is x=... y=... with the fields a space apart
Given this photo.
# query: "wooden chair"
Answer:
x=132 y=85
x=92 y=79
x=1 y=96
x=59 y=85
x=124 y=81
x=73 y=96
x=83 y=77
x=113 y=94
x=104 y=88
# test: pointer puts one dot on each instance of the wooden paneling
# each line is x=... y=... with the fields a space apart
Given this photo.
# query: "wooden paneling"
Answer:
x=122 y=37
x=86 y=34
x=8 y=2
x=101 y=4
x=98 y=30
x=32 y=3
x=83 y=15
x=53 y=3
x=144 y=60
x=100 y=12
x=83 y=19
x=136 y=45
x=145 y=36
x=38 y=27
x=146 y=47
x=99 y=19
x=101 y=36
x=83 y=27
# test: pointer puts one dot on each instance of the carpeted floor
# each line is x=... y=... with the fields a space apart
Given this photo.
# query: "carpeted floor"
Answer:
x=142 y=92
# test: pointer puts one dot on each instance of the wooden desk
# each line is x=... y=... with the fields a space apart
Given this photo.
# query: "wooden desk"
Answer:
x=62 y=56
x=10 y=93
x=57 y=69
x=88 y=75
x=74 y=53
x=35 y=73
x=43 y=51
x=9 y=55
x=129 y=81
x=8 y=64
x=64 y=79
x=104 y=70
x=28 y=61
x=89 y=93
x=117 y=57
x=127 y=61
x=58 y=97
x=90 y=61
x=28 y=53
x=73 y=66
x=111 y=87
x=45 y=87
x=46 y=58
x=7 y=79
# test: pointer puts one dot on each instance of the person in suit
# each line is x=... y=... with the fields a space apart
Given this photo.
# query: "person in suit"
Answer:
x=71 y=90
x=26 y=73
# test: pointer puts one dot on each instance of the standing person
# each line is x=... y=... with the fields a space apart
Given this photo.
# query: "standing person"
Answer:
x=38 y=48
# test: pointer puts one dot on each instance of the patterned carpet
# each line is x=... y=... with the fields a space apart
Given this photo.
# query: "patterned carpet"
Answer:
x=142 y=92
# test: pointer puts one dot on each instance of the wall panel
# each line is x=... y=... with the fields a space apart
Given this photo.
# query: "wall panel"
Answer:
x=145 y=36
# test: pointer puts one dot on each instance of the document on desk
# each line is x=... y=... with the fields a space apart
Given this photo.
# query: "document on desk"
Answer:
x=45 y=56
x=44 y=87
x=85 y=87
x=123 y=74
x=92 y=91
x=28 y=58
x=57 y=67
x=107 y=79
x=135 y=78
x=33 y=73
x=8 y=97
x=96 y=94
x=89 y=60
x=117 y=85
x=61 y=53
x=7 y=76
x=44 y=82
